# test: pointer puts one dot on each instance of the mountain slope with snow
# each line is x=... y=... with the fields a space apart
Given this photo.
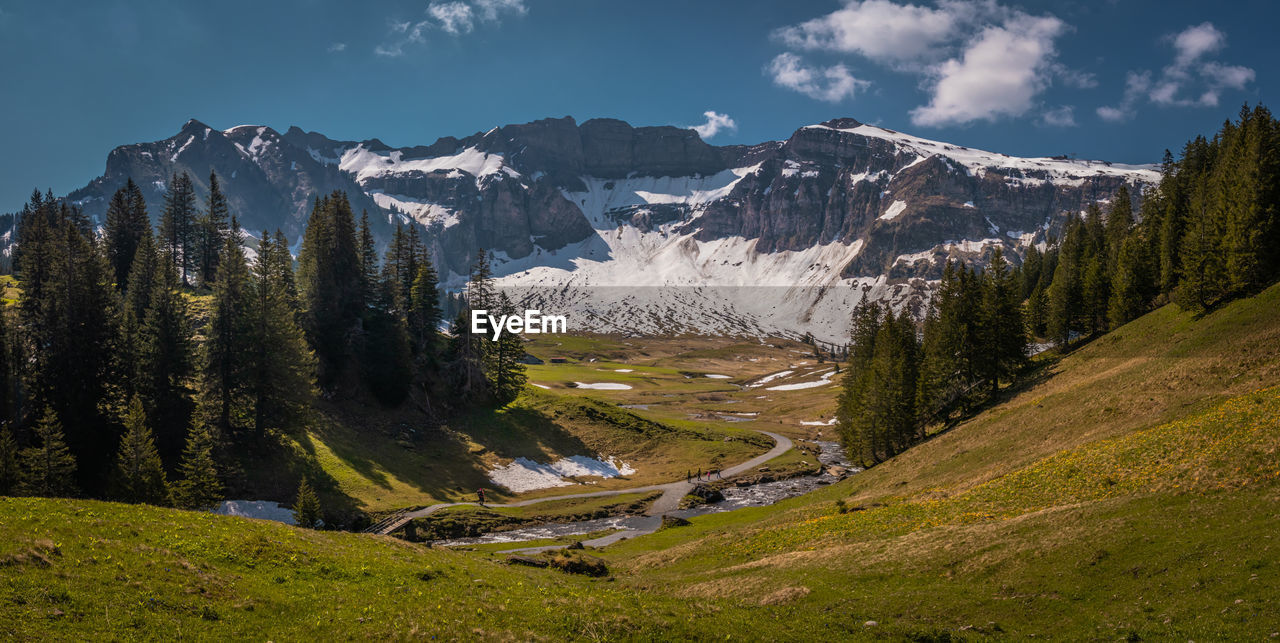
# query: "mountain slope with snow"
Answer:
x=650 y=229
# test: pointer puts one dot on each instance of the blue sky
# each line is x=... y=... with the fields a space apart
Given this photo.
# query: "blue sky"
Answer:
x=1118 y=80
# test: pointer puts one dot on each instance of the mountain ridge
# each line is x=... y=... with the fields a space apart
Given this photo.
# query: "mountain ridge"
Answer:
x=839 y=204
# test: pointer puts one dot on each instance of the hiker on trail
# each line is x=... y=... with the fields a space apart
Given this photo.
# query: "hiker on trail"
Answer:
x=480 y=494
x=699 y=474
x=688 y=475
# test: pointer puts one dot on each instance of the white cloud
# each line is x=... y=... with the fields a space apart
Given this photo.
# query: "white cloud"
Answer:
x=1227 y=76
x=715 y=124
x=337 y=47
x=1188 y=81
x=491 y=10
x=1113 y=114
x=1136 y=86
x=1000 y=73
x=1064 y=116
x=453 y=17
x=1194 y=42
x=882 y=30
x=831 y=84
x=978 y=59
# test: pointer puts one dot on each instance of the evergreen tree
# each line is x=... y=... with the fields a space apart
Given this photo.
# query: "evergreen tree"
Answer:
x=330 y=283
x=199 y=487
x=48 y=469
x=210 y=232
x=10 y=469
x=1095 y=282
x=137 y=299
x=424 y=314
x=9 y=391
x=507 y=373
x=1032 y=266
x=1128 y=283
x=126 y=223
x=165 y=361
x=368 y=254
x=228 y=343
x=306 y=509
x=1066 y=299
x=281 y=365
x=139 y=472
x=1119 y=221
x=69 y=316
x=178 y=225
x=856 y=428
x=1005 y=341
x=1203 y=280
x=470 y=353
x=387 y=358
x=1251 y=178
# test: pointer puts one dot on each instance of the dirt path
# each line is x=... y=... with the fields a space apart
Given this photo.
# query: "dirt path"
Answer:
x=672 y=492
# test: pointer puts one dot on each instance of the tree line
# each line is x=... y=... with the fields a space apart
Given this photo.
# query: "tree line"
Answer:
x=1207 y=233
x=137 y=363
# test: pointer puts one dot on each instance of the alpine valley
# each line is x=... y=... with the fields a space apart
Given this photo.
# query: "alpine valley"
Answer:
x=651 y=229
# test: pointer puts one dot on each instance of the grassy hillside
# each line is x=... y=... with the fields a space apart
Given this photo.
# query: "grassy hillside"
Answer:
x=1127 y=492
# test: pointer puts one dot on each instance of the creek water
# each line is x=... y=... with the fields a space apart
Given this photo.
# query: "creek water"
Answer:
x=756 y=495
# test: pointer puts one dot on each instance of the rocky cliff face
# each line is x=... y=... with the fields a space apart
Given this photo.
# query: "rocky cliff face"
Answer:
x=583 y=208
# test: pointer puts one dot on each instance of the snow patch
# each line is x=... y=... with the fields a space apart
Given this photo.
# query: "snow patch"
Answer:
x=524 y=474
x=260 y=509
x=825 y=380
x=827 y=423
x=895 y=209
x=604 y=386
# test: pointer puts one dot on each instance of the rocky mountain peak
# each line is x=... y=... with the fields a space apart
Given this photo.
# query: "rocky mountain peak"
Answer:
x=841 y=123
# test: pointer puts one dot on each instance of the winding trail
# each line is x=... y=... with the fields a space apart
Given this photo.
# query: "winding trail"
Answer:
x=672 y=492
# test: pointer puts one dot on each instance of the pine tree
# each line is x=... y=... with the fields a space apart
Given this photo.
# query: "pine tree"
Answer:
x=139 y=472
x=1203 y=280
x=1006 y=341
x=9 y=392
x=281 y=366
x=942 y=382
x=387 y=358
x=1032 y=266
x=1119 y=221
x=178 y=225
x=424 y=314
x=1066 y=299
x=210 y=233
x=855 y=426
x=507 y=373
x=228 y=344
x=137 y=299
x=1250 y=174
x=69 y=315
x=48 y=468
x=1128 y=279
x=1095 y=283
x=306 y=509
x=368 y=254
x=126 y=223
x=199 y=487
x=330 y=282
x=165 y=361
x=10 y=469
x=470 y=353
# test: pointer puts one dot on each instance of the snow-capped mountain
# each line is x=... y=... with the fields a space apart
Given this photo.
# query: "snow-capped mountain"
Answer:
x=651 y=229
